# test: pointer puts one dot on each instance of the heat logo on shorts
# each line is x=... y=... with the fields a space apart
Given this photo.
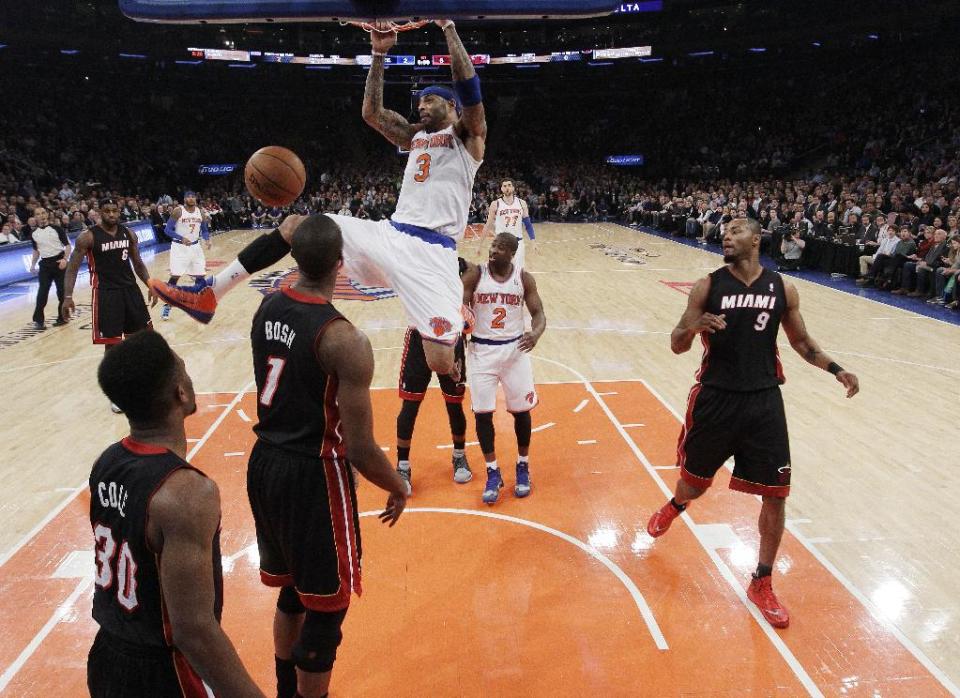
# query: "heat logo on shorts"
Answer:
x=346 y=289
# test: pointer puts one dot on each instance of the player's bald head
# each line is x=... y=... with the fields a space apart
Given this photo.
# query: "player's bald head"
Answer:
x=317 y=246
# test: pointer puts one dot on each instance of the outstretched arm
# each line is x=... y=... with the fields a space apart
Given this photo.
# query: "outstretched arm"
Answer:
x=807 y=347
x=473 y=121
x=394 y=127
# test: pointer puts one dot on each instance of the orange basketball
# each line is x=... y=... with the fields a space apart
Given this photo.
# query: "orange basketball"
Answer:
x=275 y=175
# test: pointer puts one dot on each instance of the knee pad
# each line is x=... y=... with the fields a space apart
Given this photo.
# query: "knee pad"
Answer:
x=407 y=419
x=316 y=650
x=289 y=602
x=522 y=426
x=485 y=431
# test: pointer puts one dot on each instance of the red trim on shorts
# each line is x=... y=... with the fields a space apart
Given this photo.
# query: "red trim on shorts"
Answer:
x=705 y=358
x=304 y=298
x=455 y=399
x=687 y=425
x=190 y=682
x=140 y=448
x=276 y=580
x=701 y=483
x=403 y=366
x=756 y=488
x=414 y=397
x=780 y=375
x=332 y=445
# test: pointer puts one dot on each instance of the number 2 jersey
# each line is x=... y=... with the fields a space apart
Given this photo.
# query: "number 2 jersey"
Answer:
x=127 y=599
x=744 y=356
x=498 y=306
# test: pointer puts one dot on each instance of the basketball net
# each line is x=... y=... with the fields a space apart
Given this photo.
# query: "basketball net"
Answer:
x=393 y=26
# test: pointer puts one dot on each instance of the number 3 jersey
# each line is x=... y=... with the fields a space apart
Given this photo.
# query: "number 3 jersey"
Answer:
x=744 y=356
x=437 y=183
x=498 y=305
x=127 y=598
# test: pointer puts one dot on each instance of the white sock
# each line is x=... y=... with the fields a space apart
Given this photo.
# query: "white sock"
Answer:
x=404 y=465
x=232 y=276
x=523 y=459
x=493 y=464
x=457 y=452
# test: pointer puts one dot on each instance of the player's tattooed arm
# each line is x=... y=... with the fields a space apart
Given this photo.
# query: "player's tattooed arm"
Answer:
x=695 y=319
x=392 y=125
x=473 y=122
x=807 y=347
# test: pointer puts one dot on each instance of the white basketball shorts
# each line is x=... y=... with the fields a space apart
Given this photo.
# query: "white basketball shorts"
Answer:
x=425 y=275
x=187 y=259
x=490 y=364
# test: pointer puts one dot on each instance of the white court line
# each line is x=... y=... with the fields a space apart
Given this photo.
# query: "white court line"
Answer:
x=220 y=404
x=809 y=544
x=612 y=392
x=61 y=610
x=664 y=467
x=583 y=403
x=41 y=635
x=543 y=426
x=631 y=426
x=243 y=415
x=638 y=599
x=725 y=571
x=586 y=442
x=233 y=454
x=44 y=521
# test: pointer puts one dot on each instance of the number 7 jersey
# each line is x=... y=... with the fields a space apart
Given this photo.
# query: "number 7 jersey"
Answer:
x=437 y=183
x=498 y=305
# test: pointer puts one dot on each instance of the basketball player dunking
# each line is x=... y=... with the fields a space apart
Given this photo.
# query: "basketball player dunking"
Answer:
x=499 y=355
x=185 y=226
x=415 y=253
x=509 y=214
x=735 y=407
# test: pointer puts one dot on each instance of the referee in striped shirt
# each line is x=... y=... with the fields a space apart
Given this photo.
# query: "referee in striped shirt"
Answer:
x=51 y=247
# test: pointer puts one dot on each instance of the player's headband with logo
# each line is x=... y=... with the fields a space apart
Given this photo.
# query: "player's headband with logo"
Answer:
x=444 y=93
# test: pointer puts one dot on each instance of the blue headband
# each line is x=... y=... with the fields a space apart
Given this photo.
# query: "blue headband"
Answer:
x=189 y=193
x=444 y=93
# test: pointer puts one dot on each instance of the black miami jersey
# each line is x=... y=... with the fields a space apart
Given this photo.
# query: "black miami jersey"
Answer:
x=127 y=599
x=296 y=399
x=744 y=356
x=109 y=258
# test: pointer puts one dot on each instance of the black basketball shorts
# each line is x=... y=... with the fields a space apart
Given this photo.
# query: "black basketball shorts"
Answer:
x=749 y=426
x=415 y=374
x=118 y=312
x=308 y=531
x=118 y=669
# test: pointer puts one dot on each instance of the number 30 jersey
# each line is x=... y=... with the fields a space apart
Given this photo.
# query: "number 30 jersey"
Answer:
x=498 y=306
x=744 y=356
x=127 y=599
x=437 y=183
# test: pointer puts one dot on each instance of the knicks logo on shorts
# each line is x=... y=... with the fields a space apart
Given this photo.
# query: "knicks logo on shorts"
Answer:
x=440 y=326
x=531 y=396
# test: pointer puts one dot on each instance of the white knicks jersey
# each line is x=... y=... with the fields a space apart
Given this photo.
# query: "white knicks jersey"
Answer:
x=498 y=305
x=188 y=224
x=437 y=183
x=509 y=217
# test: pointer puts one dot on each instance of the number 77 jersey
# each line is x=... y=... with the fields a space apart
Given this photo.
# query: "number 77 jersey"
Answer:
x=127 y=600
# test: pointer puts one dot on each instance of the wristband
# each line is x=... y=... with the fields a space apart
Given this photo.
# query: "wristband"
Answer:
x=469 y=91
x=834 y=367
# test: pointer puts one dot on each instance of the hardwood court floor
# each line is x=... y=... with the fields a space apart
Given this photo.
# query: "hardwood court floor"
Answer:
x=562 y=593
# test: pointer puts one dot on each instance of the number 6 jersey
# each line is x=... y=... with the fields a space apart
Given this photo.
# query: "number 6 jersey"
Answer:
x=127 y=601
x=744 y=356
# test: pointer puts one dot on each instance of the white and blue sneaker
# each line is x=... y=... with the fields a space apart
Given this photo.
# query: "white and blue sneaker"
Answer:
x=491 y=492
x=522 y=488
x=165 y=312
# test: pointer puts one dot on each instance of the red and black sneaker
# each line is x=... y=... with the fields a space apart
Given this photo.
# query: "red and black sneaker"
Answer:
x=197 y=301
x=662 y=518
x=761 y=593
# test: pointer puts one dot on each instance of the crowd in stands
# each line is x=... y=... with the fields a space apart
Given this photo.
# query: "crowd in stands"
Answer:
x=862 y=185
